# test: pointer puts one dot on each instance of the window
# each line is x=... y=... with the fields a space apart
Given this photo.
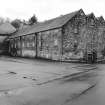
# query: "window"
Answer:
x=82 y=13
x=75 y=30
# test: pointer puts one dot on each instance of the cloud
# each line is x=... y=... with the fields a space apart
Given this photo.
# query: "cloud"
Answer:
x=46 y=9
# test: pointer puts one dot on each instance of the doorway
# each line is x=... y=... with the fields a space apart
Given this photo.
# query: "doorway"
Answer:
x=92 y=57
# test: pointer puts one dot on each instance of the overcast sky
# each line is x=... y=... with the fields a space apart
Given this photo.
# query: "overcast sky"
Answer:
x=46 y=9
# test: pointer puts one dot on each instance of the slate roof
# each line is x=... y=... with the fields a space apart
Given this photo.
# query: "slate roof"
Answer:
x=47 y=25
x=6 y=29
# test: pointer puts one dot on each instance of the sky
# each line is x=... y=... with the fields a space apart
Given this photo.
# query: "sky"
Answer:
x=47 y=9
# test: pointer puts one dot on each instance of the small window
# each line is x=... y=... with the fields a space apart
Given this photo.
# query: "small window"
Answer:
x=75 y=30
x=82 y=13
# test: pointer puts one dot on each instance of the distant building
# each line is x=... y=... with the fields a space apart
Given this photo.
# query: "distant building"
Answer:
x=68 y=37
x=6 y=29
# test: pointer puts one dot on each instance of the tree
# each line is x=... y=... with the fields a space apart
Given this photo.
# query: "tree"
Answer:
x=33 y=20
x=2 y=20
x=16 y=23
x=7 y=20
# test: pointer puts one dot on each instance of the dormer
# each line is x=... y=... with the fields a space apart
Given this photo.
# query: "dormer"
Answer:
x=100 y=20
x=81 y=12
x=91 y=19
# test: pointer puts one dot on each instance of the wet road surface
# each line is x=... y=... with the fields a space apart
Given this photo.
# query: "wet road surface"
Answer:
x=48 y=83
x=96 y=94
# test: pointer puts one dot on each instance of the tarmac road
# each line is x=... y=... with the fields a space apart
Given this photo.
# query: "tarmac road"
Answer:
x=95 y=95
x=35 y=82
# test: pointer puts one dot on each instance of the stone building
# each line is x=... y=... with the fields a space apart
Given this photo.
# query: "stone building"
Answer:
x=53 y=39
x=100 y=37
x=90 y=36
x=72 y=36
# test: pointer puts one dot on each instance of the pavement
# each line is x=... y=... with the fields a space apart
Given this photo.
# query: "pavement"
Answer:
x=36 y=82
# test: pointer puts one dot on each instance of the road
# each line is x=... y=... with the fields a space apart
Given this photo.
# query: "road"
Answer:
x=96 y=95
x=39 y=82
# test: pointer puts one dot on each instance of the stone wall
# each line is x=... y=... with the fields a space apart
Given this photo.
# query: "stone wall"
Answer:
x=95 y=36
x=83 y=35
x=15 y=46
x=29 y=45
x=78 y=37
x=24 y=46
x=73 y=43
x=49 y=44
x=3 y=44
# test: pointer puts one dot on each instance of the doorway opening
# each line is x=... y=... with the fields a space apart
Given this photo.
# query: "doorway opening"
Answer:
x=92 y=57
